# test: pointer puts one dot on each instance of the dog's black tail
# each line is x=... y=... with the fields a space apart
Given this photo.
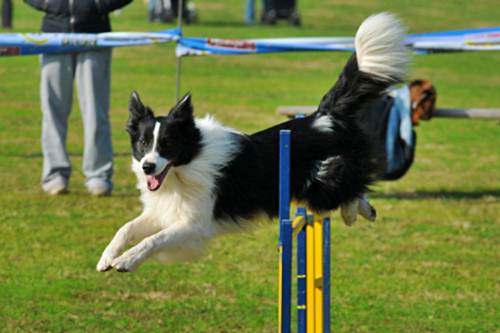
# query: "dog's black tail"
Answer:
x=380 y=60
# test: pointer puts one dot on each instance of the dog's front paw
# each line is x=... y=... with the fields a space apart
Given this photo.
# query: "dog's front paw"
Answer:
x=125 y=263
x=104 y=263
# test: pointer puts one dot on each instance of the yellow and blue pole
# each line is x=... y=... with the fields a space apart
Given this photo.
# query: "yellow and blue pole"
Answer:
x=318 y=273
x=310 y=285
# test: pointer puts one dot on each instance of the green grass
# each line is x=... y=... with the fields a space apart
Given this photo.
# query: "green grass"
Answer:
x=429 y=264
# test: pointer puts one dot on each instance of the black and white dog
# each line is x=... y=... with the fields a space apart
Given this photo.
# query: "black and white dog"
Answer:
x=199 y=178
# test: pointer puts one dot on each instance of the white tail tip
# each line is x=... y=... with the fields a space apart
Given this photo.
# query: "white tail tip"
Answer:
x=379 y=47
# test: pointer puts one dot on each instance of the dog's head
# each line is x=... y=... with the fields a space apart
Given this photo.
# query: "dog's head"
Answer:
x=162 y=143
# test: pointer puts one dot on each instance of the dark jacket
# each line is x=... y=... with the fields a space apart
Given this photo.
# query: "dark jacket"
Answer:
x=374 y=119
x=76 y=15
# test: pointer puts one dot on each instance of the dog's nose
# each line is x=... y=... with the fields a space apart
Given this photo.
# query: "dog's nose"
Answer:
x=148 y=167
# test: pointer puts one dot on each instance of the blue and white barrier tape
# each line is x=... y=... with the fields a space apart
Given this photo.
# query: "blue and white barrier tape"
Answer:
x=484 y=39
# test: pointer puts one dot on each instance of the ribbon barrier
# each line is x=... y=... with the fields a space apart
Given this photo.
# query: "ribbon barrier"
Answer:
x=37 y=43
x=187 y=46
x=484 y=39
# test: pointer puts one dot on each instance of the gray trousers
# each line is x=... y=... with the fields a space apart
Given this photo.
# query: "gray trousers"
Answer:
x=91 y=70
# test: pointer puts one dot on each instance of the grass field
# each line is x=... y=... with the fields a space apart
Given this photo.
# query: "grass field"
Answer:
x=429 y=264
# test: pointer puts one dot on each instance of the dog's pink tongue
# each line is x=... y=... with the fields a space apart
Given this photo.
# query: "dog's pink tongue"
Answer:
x=153 y=183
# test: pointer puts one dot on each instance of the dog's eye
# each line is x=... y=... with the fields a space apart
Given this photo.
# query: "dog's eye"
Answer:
x=142 y=141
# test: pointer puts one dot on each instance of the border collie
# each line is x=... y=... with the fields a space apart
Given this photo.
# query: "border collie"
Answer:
x=199 y=178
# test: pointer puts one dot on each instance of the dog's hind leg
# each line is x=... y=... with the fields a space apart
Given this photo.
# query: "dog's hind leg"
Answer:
x=175 y=238
x=366 y=209
x=349 y=212
x=138 y=228
x=359 y=206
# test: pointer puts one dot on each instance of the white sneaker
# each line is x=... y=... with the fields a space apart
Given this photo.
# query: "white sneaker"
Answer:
x=56 y=186
x=99 y=188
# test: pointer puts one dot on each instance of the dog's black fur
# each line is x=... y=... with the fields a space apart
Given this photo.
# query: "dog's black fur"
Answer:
x=250 y=182
x=248 y=185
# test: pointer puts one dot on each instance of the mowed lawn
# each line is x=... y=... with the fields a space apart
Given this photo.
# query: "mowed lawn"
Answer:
x=429 y=264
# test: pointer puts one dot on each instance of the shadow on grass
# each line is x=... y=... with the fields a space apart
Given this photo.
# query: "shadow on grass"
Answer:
x=439 y=194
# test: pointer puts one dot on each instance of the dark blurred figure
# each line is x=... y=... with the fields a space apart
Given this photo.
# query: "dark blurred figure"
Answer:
x=7 y=9
x=280 y=9
x=391 y=120
x=166 y=11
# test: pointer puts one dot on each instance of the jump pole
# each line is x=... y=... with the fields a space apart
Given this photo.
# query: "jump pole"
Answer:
x=178 y=57
x=468 y=113
x=285 y=236
x=313 y=258
x=302 y=275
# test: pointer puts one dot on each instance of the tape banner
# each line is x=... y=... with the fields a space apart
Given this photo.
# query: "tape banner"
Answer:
x=202 y=46
x=484 y=39
x=38 y=43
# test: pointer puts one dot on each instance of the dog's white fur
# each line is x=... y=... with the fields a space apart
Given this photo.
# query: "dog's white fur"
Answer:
x=379 y=46
x=323 y=124
x=153 y=156
x=186 y=196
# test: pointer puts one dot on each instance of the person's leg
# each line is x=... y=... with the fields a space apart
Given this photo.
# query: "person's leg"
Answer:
x=56 y=93
x=250 y=12
x=7 y=9
x=151 y=10
x=93 y=74
x=175 y=9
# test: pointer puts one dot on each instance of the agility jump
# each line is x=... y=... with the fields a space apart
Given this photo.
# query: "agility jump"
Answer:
x=312 y=234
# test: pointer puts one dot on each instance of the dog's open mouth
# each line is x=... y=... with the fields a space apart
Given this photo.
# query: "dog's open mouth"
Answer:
x=154 y=181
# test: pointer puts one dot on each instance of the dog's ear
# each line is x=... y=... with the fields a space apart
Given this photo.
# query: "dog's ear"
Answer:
x=137 y=112
x=183 y=110
x=136 y=109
